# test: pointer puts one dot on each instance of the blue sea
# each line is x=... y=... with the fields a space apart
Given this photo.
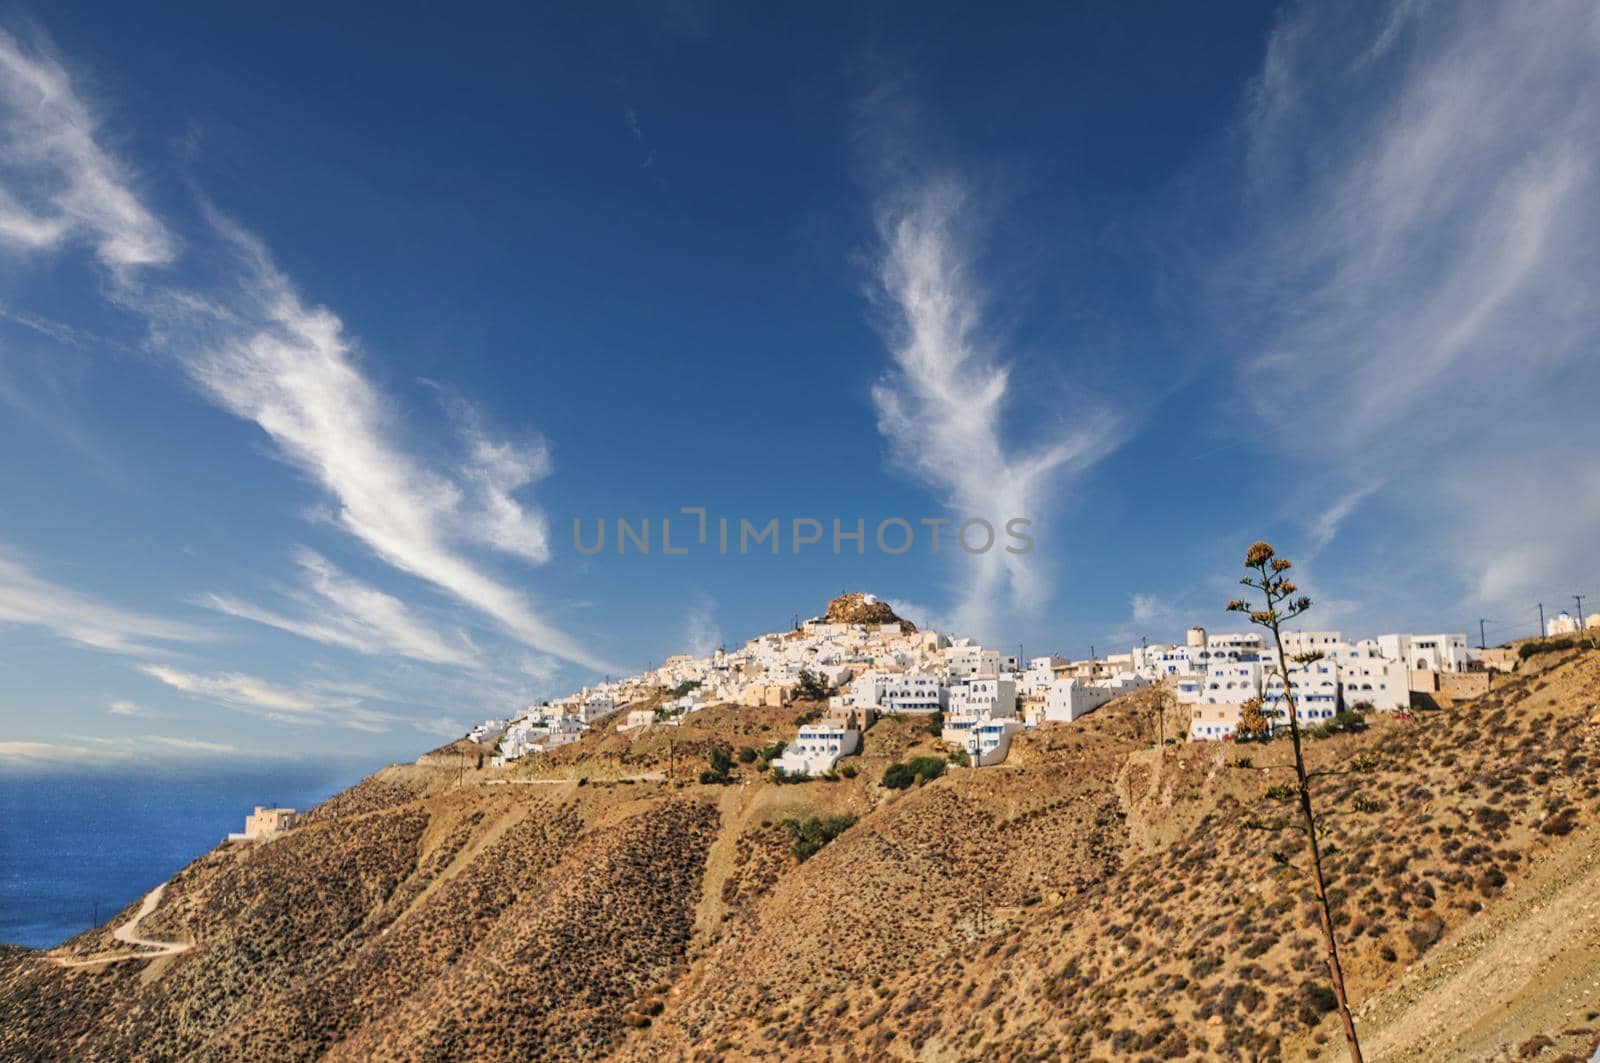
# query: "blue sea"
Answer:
x=73 y=845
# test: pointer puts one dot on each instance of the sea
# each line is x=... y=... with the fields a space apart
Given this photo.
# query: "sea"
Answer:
x=78 y=846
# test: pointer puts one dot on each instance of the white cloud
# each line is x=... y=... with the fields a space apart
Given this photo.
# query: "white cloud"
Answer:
x=123 y=707
x=56 y=182
x=341 y=611
x=1149 y=608
x=942 y=405
x=442 y=726
x=337 y=702
x=187 y=745
x=302 y=705
x=1415 y=300
x=1151 y=616
x=39 y=752
x=100 y=748
x=242 y=691
x=700 y=627
x=268 y=358
x=26 y=598
x=926 y=617
x=495 y=470
x=258 y=350
x=1325 y=528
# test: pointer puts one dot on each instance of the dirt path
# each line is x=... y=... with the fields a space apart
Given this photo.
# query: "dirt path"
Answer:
x=128 y=934
x=649 y=776
x=1532 y=967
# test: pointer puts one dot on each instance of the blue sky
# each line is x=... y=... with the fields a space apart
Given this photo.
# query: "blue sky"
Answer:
x=318 y=332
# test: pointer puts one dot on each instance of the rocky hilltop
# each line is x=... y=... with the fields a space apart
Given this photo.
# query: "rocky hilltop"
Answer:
x=1095 y=897
x=860 y=608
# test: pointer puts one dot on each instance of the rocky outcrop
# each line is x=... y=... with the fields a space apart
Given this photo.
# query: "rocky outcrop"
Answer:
x=863 y=609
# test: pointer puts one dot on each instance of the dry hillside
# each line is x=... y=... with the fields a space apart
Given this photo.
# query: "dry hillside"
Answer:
x=1093 y=898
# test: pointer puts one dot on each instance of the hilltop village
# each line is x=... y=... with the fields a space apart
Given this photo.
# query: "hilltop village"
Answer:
x=638 y=882
x=865 y=662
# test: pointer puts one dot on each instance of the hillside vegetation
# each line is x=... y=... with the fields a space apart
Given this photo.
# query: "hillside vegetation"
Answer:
x=1092 y=898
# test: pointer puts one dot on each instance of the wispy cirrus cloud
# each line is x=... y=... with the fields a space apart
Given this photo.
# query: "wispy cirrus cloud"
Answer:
x=1413 y=301
x=247 y=693
x=942 y=404
x=57 y=183
x=1325 y=527
x=242 y=691
x=30 y=599
x=494 y=471
x=256 y=348
x=337 y=610
x=264 y=355
x=90 y=749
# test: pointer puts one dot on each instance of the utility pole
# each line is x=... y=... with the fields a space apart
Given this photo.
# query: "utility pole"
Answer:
x=1482 y=642
x=1541 y=620
x=1579 y=599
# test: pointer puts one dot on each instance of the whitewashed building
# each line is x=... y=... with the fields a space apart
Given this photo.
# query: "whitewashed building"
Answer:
x=1434 y=653
x=986 y=742
x=1563 y=623
x=964 y=658
x=1068 y=699
x=988 y=698
x=817 y=748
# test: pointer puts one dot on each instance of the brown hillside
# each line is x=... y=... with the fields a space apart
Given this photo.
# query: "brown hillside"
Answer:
x=1093 y=898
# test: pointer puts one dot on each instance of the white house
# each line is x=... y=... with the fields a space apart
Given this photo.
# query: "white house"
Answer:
x=1434 y=653
x=1383 y=685
x=1231 y=682
x=1563 y=623
x=485 y=730
x=984 y=698
x=1316 y=693
x=1068 y=699
x=986 y=741
x=817 y=748
x=1214 y=721
x=911 y=692
x=965 y=659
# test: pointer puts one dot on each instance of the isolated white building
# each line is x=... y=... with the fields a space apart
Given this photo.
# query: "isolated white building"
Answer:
x=817 y=748
x=1563 y=623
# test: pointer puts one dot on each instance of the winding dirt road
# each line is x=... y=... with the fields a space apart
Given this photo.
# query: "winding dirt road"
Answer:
x=128 y=934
